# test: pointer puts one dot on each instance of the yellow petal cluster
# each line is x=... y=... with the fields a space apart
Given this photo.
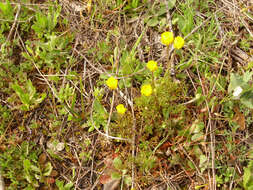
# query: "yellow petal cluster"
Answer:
x=167 y=38
x=146 y=90
x=121 y=109
x=152 y=65
x=112 y=83
x=178 y=42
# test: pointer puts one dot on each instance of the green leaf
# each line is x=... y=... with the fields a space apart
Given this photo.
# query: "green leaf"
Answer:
x=41 y=98
x=186 y=22
x=35 y=168
x=171 y=3
x=117 y=163
x=31 y=89
x=48 y=169
x=197 y=136
x=99 y=108
x=247 y=98
x=235 y=81
x=91 y=129
x=248 y=177
x=128 y=180
x=135 y=3
x=202 y=160
x=59 y=184
x=250 y=65
x=197 y=127
x=115 y=175
x=153 y=22
x=27 y=164
x=68 y=185
x=7 y=10
x=133 y=51
x=162 y=10
x=247 y=76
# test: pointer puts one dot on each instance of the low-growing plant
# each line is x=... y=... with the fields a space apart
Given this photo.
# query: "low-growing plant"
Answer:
x=45 y=24
x=7 y=12
x=121 y=172
x=60 y=184
x=18 y=164
x=241 y=87
x=248 y=176
x=28 y=95
x=53 y=52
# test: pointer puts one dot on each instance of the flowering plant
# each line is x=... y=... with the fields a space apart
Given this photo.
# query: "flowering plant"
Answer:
x=146 y=90
x=178 y=42
x=152 y=65
x=167 y=38
x=121 y=109
x=112 y=83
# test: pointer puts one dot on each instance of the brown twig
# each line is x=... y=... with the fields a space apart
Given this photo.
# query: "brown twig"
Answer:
x=212 y=183
x=15 y=22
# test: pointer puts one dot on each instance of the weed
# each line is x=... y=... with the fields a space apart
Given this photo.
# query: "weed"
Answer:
x=19 y=165
x=28 y=97
x=45 y=24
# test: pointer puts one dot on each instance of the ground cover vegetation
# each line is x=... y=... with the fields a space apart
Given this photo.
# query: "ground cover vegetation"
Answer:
x=126 y=94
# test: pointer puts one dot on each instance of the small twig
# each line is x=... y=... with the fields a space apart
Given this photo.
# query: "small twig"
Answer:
x=182 y=148
x=160 y=143
x=92 y=65
x=221 y=31
x=168 y=14
x=130 y=102
x=246 y=26
x=92 y=162
x=213 y=154
x=212 y=144
x=232 y=181
x=80 y=165
x=14 y=24
x=7 y=20
x=110 y=114
x=191 y=80
x=133 y=141
x=116 y=64
x=170 y=54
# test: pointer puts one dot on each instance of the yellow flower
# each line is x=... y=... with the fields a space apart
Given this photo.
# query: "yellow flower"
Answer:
x=178 y=42
x=167 y=38
x=112 y=83
x=152 y=65
x=121 y=109
x=146 y=90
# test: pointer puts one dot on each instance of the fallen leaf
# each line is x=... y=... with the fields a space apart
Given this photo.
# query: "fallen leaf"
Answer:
x=42 y=158
x=104 y=179
x=239 y=118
